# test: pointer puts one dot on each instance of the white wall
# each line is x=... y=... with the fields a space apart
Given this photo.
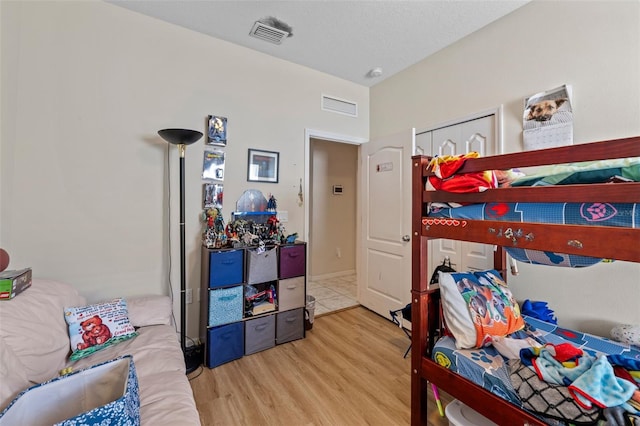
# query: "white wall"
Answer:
x=84 y=177
x=595 y=47
x=333 y=217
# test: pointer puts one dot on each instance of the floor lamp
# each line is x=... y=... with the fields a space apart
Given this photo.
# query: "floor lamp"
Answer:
x=182 y=138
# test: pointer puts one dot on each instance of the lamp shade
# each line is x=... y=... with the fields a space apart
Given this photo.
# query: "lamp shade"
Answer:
x=180 y=136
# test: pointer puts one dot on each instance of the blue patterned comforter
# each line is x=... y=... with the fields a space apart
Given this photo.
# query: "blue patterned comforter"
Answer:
x=487 y=368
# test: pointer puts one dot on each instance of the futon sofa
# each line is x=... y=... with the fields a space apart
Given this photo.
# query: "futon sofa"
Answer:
x=34 y=347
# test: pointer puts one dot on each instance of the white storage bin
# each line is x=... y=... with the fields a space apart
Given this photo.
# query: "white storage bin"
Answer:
x=459 y=414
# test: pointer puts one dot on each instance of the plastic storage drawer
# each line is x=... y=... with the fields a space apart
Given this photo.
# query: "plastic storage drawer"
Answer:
x=262 y=267
x=291 y=294
x=259 y=334
x=292 y=261
x=225 y=343
x=226 y=268
x=225 y=305
x=290 y=325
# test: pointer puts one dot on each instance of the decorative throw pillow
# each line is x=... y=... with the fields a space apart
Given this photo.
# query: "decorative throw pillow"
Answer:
x=477 y=306
x=95 y=327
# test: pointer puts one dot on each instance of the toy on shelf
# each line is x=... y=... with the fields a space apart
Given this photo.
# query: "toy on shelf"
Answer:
x=255 y=221
x=214 y=235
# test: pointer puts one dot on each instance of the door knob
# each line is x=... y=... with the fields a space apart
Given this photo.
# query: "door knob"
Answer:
x=406 y=238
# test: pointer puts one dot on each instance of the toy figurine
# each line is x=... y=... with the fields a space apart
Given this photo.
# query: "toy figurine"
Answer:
x=272 y=204
x=214 y=233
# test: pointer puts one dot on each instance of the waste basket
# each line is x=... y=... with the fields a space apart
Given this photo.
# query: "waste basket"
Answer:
x=308 y=312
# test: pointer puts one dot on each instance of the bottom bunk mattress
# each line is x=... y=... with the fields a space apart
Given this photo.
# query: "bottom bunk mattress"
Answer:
x=488 y=368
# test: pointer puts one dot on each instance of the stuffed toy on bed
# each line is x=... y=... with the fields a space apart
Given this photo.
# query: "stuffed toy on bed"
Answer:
x=627 y=333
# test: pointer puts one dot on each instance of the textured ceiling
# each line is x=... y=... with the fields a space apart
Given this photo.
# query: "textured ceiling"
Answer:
x=342 y=38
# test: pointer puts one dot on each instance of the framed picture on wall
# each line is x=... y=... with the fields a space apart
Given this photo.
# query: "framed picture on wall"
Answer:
x=216 y=130
x=263 y=166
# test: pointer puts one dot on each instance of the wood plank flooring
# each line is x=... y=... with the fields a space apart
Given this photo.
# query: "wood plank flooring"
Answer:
x=349 y=370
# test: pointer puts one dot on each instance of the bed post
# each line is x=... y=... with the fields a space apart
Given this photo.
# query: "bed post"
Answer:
x=419 y=297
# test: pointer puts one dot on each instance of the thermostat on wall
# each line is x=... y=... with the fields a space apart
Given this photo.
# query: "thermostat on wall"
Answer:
x=337 y=189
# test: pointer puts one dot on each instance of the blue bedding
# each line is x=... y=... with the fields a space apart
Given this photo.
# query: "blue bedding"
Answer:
x=594 y=214
x=487 y=368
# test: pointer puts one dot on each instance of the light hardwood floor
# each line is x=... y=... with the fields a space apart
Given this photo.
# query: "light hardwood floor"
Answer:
x=349 y=370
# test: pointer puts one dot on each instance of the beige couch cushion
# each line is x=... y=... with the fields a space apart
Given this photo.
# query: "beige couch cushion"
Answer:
x=32 y=325
x=13 y=379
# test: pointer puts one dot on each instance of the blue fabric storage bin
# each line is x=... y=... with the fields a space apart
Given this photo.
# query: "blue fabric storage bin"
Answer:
x=226 y=267
x=225 y=343
x=225 y=305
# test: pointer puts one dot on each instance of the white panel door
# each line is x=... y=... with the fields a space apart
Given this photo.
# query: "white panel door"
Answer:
x=475 y=135
x=384 y=273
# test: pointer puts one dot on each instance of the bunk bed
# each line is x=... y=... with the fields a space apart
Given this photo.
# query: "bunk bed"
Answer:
x=621 y=243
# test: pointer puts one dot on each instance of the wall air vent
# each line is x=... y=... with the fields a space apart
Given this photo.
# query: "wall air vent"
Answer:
x=341 y=106
x=268 y=33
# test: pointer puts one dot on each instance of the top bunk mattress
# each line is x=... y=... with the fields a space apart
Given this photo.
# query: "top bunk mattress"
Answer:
x=625 y=215
x=596 y=214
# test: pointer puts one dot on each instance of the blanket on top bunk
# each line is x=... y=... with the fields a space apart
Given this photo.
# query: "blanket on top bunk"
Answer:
x=593 y=214
x=510 y=378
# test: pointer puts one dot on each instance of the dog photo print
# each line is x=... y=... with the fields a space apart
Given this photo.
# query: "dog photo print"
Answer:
x=548 y=119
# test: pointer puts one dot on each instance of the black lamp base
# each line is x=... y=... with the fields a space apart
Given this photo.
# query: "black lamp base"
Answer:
x=193 y=358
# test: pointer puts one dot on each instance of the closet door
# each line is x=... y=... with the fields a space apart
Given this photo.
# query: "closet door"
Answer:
x=475 y=135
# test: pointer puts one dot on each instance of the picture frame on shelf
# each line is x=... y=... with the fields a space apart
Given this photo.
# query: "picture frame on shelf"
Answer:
x=263 y=166
x=216 y=130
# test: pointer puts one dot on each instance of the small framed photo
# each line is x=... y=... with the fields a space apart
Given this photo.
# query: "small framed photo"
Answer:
x=263 y=166
x=216 y=130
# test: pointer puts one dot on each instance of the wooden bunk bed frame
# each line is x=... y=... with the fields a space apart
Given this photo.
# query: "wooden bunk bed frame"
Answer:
x=597 y=241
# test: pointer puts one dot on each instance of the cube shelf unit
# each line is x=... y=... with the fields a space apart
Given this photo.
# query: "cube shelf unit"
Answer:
x=230 y=328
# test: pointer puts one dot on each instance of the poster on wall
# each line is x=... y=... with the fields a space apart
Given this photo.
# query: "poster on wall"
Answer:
x=213 y=193
x=548 y=119
x=213 y=165
x=216 y=130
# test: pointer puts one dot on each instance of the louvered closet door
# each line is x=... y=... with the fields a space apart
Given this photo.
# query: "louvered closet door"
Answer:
x=476 y=135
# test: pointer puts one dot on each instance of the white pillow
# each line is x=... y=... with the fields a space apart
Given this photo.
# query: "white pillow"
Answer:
x=627 y=333
x=97 y=326
x=149 y=310
x=478 y=306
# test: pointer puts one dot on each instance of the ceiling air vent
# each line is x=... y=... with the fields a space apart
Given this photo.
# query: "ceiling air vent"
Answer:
x=268 y=33
x=341 y=106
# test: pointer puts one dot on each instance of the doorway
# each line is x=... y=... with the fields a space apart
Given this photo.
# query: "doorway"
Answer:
x=331 y=233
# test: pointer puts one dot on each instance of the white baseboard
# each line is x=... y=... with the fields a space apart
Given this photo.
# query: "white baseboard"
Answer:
x=331 y=275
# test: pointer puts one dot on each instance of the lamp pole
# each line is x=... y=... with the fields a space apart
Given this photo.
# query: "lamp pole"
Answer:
x=181 y=138
x=183 y=274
